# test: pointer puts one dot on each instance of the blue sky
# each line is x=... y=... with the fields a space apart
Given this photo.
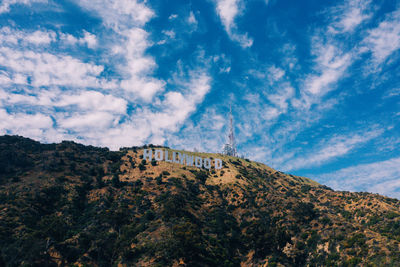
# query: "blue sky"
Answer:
x=314 y=85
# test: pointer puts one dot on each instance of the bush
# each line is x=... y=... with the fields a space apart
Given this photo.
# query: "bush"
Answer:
x=201 y=176
x=142 y=167
x=305 y=212
x=159 y=180
x=115 y=181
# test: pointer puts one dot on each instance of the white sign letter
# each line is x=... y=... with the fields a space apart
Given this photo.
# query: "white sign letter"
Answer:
x=207 y=163
x=198 y=162
x=218 y=164
x=147 y=154
x=166 y=157
x=158 y=154
x=189 y=160
x=181 y=157
x=174 y=157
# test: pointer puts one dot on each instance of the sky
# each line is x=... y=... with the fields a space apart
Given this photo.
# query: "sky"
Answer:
x=314 y=85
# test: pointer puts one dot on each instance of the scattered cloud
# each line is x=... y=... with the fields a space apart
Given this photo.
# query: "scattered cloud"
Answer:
x=68 y=98
x=36 y=126
x=119 y=15
x=10 y=36
x=384 y=40
x=223 y=63
x=330 y=149
x=88 y=39
x=6 y=4
x=381 y=177
x=138 y=67
x=172 y=16
x=203 y=134
x=391 y=93
x=192 y=19
x=14 y=38
x=45 y=69
x=281 y=98
x=228 y=10
x=93 y=101
x=170 y=33
x=348 y=16
x=275 y=73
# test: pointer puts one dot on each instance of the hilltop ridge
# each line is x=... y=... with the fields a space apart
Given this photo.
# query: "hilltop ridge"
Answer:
x=70 y=204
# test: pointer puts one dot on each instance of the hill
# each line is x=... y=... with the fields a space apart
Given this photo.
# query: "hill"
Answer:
x=73 y=205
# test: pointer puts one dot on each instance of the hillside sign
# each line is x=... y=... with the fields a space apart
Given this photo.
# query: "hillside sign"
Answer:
x=181 y=158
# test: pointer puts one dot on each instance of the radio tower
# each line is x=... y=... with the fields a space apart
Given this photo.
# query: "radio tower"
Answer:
x=230 y=148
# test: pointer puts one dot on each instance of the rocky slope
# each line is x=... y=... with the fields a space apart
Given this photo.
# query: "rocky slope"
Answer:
x=70 y=204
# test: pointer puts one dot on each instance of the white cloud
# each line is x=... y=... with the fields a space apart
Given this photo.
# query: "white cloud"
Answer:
x=172 y=16
x=14 y=37
x=138 y=67
x=351 y=14
x=384 y=40
x=281 y=97
x=40 y=38
x=88 y=122
x=227 y=10
x=120 y=14
x=68 y=98
x=126 y=19
x=16 y=78
x=32 y=125
x=93 y=101
x=192 y=18
x=170 y=33
x=331 y=64
x=177 y=106
x=156 y=124
x=98 y=119
x=275 y=73
x=5 y=78
x=392 y=93
x=331 y=149
x=204 y=134
x=88 y=39
x=223 y=63
x=6 y=4
x=46 y=69
x=243 y=39
x=381 y=177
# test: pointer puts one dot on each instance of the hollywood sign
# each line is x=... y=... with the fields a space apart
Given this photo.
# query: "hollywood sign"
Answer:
x=181 y=158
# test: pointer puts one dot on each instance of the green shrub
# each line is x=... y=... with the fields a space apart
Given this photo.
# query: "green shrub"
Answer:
x=142 y=167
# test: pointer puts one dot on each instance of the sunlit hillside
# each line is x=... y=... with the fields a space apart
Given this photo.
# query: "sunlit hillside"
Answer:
x=70 y=204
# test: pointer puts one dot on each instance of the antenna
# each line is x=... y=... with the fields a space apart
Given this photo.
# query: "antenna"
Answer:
x=230 y=147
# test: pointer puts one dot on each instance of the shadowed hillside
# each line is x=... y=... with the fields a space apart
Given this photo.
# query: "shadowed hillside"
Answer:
x=70 y=204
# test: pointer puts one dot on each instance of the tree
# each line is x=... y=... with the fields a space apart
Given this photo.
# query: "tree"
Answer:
x=142 y=167
x=115 y=181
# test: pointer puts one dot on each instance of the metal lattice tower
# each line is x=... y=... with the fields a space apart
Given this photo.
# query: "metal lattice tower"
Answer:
x=230 y=147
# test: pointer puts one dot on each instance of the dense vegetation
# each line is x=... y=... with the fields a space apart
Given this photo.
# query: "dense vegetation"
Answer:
x=69 y=204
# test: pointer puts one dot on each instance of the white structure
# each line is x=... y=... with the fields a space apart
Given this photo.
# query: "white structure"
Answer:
x=230 y=147
x=181 y=158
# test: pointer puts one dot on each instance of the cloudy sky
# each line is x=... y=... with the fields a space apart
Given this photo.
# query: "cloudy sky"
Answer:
x=314 y=85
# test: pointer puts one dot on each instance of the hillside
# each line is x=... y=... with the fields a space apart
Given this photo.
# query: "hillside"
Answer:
x=70 y=204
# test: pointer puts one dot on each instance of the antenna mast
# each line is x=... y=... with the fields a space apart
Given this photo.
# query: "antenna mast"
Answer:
x=230 y=148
